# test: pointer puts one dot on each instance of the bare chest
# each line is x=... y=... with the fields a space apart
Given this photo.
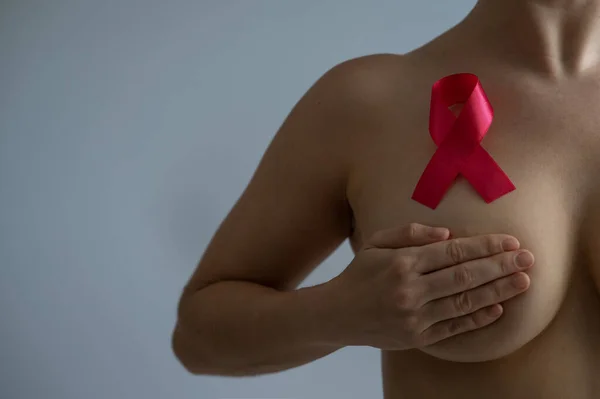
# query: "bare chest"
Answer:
x=550 y=152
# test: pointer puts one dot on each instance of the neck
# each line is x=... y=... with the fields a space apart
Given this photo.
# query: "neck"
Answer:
x=556 y=37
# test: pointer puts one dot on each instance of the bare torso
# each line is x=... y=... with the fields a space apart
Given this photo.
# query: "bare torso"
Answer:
x=546 y=137
x=355 y=146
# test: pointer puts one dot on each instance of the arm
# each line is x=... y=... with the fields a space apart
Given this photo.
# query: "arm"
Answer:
x=239 y=314
x=250 y=329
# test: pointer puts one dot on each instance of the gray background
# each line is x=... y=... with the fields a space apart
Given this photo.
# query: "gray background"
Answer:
x=128 y=128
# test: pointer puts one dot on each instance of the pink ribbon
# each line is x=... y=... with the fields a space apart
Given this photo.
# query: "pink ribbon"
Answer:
x=459 y=143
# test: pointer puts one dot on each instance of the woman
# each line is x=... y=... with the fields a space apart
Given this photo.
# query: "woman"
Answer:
x=463 y=313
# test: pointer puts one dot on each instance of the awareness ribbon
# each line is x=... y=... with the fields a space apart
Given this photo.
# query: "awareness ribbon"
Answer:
x=459 y=143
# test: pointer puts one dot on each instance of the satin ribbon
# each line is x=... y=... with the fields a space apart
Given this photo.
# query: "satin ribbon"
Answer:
x=459 y=143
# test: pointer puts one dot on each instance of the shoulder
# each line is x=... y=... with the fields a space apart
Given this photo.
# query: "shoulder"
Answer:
x=360 y=91
x=353 y=98
x=364 y=80
x=367 y=67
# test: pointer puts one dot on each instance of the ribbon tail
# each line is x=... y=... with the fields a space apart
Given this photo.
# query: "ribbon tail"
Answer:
x=436 y=180
x=486 y=177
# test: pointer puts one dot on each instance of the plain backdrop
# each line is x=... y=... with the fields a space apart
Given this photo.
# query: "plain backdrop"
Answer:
x=128 y=128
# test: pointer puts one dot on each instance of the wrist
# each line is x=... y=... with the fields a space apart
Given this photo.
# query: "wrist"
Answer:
x=322 y=316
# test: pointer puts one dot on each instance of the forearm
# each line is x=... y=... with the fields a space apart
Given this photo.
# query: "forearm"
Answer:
x=239 y=328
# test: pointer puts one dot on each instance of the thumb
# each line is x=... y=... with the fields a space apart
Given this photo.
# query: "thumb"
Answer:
x=410 y=235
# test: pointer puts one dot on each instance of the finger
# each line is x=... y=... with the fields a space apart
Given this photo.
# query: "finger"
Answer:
x=413 y=234
x=473 y=321
x=471 y=301
x=440 y=255
x=474 y=273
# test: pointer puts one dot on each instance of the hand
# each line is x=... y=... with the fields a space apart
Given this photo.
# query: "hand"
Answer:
x=408 y=289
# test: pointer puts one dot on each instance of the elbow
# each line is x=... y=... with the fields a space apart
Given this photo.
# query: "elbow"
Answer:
x=189 y=346
x=186 y=345
x=190 y=359
x=197 y=351
x=194 y=362
x=199 y=362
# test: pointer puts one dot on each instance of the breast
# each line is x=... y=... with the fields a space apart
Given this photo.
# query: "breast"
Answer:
x=537 y=216
x=544 y=213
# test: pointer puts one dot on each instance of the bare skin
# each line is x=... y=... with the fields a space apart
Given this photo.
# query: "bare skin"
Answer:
x=344 y=165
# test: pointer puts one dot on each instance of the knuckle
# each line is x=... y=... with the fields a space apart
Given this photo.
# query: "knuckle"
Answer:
x=505 y=264
x=455 y=251
x=405 y=299
x=412 y=230
x=463 y=303
x=492 y=244
x=497 y=290
x=463 y=276
x=411 y=325
x=419 y=340
x=455 y=326
x=403 y=262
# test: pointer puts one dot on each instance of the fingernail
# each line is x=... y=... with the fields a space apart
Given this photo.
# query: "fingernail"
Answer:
x=438 y=232
x=494 y=311
x=510 y=244
x=524 y=259
x=520 y=281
